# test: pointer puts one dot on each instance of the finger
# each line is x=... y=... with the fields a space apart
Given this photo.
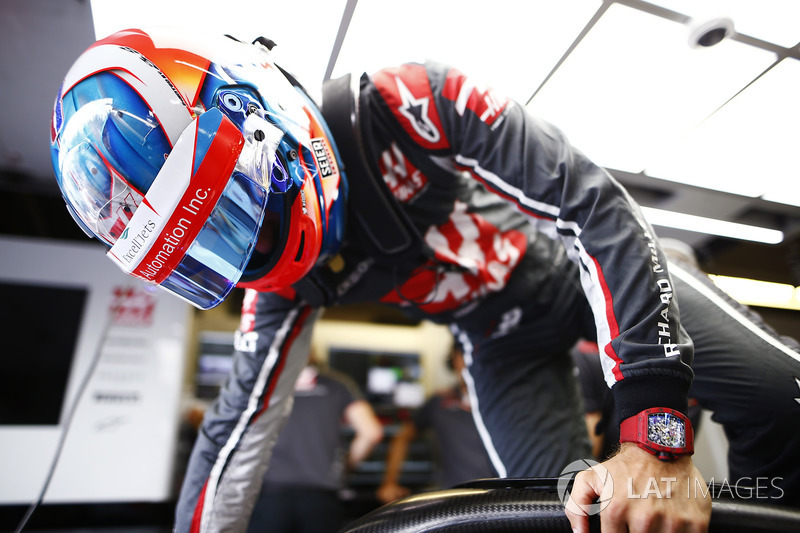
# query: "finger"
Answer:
x=581 y=497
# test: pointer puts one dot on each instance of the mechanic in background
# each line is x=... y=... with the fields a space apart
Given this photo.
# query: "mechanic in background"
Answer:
x=300 y=492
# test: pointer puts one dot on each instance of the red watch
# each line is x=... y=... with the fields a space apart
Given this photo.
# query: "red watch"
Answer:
x=666 y=433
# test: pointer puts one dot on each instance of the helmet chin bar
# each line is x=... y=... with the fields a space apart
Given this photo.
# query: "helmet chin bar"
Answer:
x=272 y=238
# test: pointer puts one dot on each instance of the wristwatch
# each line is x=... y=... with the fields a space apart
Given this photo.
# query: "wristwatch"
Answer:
x=666 y=433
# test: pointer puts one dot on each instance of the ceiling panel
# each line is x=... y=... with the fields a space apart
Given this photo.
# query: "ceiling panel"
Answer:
x=511 y=44
x=634 y=84
x=619 y=77
x=749 y=147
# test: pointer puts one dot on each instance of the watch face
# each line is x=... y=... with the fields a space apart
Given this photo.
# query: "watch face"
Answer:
x=667 y=430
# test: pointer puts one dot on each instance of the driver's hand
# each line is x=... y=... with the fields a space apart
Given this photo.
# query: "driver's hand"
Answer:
x=649 y=495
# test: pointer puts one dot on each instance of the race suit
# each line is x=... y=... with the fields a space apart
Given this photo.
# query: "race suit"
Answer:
x=529 y=245
x=757 y=404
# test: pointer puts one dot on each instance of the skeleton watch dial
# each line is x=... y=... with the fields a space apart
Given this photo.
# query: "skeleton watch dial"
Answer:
x=667 y=430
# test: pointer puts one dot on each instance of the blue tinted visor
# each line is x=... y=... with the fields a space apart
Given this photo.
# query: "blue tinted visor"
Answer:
x=216 y=259
x=194 y=231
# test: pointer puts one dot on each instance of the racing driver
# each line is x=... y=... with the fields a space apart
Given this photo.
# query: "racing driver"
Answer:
x=204 y=166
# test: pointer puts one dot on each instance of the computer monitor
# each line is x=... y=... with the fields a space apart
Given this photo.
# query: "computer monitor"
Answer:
x=39 y=326
x=388 y=379
x=214 y=363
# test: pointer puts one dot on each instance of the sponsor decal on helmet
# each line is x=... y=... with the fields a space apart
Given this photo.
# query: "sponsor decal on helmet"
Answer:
x=322 y=154
x=172 y=239
x=158 y=71
x=178 y=203
x=138 y=241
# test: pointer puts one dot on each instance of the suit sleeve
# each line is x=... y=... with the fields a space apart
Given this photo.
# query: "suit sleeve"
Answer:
x=645 y=353
x=239 y=430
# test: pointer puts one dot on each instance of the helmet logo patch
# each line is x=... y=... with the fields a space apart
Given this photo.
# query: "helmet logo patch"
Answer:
x=322 y=155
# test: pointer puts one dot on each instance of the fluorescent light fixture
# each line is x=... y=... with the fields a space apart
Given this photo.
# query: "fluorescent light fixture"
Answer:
x=759 y=293
x=711 y=226
x=633 y=84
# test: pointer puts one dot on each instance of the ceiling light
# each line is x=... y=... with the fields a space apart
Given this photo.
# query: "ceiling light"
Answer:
x=759 y=293
x=774 y=21
x=709 y=32
x=711 y=226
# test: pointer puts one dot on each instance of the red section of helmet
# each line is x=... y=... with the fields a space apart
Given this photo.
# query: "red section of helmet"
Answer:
x=301 y=250
x=306 y=220
x=184 y=69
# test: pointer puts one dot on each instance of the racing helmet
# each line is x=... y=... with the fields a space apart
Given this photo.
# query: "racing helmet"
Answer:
x=198 y=162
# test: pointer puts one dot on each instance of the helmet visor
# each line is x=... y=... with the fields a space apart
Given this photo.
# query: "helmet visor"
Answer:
x=216 y=259
x=196 y=227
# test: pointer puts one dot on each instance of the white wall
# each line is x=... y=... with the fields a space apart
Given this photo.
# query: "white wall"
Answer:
x=121 y=444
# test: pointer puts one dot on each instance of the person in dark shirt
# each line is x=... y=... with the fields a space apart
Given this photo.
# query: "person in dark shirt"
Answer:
x=461 y=455
x=300 y=492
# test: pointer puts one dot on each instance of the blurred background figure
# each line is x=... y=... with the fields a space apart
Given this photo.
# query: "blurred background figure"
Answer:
x=460 y=454
x=300 y=493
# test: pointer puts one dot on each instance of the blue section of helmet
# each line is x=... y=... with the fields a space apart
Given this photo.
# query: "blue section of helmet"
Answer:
x=58 y=112
x=211 y=84
x=67 y=109
x=132 y=140
x=237 y=103
x=287 y=173
x=207 y=127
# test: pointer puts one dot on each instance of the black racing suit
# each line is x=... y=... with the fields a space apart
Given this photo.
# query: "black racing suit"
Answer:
x=528 y=246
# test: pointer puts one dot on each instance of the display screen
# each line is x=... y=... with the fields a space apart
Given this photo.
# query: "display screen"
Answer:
x=214 y=362
x=387 y=379
x=39 y=326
